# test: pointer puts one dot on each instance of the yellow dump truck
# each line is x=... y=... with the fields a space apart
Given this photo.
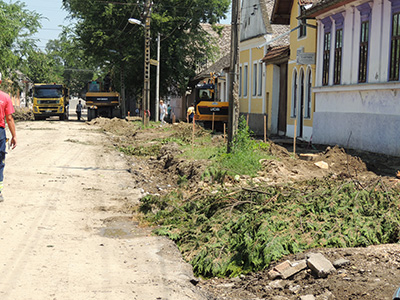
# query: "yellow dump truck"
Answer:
x=50 y=100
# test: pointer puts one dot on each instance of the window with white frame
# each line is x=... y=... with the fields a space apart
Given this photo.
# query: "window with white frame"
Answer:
x=337 y=69
x=294 y=94
x=365 y=14
x=260 y=79
x=255 y=78
x=245 y=80
x=394 y=65
x=327 y=50
x=363 y=62
x=307 y=108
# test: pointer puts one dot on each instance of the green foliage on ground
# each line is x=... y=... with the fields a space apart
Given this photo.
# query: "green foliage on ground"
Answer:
x=227 y=233
x=244 y=158
x=246 y=153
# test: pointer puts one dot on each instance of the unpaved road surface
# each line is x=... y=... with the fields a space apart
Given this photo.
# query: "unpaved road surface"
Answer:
x=63 y=232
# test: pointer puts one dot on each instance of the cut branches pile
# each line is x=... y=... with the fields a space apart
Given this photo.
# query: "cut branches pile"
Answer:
x=231 y=232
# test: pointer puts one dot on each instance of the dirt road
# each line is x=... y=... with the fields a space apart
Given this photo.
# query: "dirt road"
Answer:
x=62 y=231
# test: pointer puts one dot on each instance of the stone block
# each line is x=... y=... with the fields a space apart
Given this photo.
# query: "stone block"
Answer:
x=294 y=268
x=287 y=269
x=341 y=262
x=321 y=266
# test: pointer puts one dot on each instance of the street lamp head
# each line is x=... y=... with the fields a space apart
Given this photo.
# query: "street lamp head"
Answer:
x=135 y=21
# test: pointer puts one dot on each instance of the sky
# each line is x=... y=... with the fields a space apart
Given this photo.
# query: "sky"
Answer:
x=54 y=17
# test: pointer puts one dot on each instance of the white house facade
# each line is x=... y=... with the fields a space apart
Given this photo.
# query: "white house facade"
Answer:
x=357 y=88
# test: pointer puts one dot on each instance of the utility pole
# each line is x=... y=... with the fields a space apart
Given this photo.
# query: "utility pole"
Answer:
x=233 y=75
x=123 y=100
x=158 y=78
x=146 y=88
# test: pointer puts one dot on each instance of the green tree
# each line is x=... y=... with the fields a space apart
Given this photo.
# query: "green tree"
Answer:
x=117 y=46
x=71 y=62
x=40 y=67
x=18 y=25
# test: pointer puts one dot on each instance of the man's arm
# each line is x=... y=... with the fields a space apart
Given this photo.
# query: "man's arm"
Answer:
x=11 y=126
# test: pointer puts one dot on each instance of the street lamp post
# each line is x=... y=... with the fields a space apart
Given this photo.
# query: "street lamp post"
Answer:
x=147 y=62
x=158 y=79
x=146 y=87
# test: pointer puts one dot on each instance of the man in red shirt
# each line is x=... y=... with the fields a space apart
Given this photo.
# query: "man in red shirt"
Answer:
x=6 y=111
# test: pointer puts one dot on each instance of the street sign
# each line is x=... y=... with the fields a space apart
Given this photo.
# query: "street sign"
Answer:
x=154 y=62
x=306 y=58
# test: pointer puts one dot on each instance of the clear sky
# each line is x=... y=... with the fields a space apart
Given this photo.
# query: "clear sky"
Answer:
x=53 y=16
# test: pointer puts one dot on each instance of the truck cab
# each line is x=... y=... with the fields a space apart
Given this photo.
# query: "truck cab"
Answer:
x=50 y=100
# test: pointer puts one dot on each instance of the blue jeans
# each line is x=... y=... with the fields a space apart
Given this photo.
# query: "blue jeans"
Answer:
x=2 y=155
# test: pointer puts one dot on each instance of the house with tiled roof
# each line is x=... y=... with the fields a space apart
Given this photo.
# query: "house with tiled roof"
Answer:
x=256 y=79
x=357 y=84
x=301 y=68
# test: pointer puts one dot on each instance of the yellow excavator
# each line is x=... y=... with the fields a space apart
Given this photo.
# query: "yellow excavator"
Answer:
x=207 y=108
x=102 y=101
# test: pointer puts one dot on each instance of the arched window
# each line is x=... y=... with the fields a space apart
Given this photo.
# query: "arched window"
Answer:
x=301 y=93
x=294 y=94
x=394 y=64
x=307 y=108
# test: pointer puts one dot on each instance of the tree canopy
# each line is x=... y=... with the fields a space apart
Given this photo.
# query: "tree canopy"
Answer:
x=104 y=33
x=18 y=25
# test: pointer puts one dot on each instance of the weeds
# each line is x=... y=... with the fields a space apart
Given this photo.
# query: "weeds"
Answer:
x=246 y=153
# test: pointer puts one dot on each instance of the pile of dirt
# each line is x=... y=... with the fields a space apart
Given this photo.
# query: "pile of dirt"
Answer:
x=341 y=163
x=333 y=162
x=116 y=126
x=162 y=168
x=173 y=165
x=23 y=114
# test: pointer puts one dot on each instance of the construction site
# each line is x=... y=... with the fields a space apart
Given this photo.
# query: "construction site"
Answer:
x=214 y=228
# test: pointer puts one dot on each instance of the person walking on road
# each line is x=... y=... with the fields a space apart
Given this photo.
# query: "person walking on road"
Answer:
x=79 y=110
x=6 y=111
x=163 y=111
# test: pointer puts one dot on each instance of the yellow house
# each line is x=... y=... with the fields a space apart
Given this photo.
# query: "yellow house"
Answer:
x=301 y=66
x=256 y=78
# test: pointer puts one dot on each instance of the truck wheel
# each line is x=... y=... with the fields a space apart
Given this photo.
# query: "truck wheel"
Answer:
x=90 y=114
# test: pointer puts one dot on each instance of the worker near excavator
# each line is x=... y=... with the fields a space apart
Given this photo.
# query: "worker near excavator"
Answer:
x=190 y=113
x=6 y=111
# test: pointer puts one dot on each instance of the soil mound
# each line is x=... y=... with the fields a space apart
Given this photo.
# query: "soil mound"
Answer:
x=23 y=114
x=342 y=163
x=172 y=164
x=334 y=162
x=117 y=126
